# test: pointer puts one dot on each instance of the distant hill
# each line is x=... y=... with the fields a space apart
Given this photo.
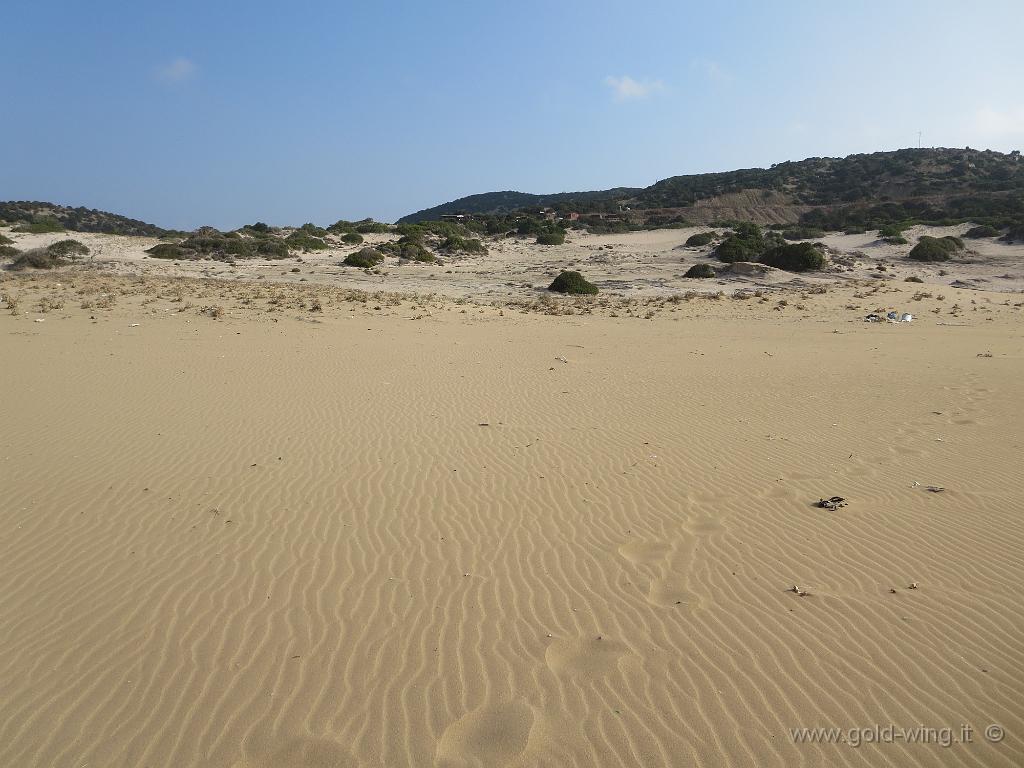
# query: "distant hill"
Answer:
x=507 y=202
x=941 y=182
x=77 y=219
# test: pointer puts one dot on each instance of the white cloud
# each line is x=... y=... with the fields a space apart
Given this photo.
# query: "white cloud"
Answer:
x=625 y=88
x=176 y=71
x=990 y=122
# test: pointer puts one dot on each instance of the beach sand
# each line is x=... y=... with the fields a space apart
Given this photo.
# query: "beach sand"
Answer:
x=268 y=526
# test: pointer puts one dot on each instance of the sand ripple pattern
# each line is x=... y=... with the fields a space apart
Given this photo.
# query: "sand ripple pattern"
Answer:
x=257 y=545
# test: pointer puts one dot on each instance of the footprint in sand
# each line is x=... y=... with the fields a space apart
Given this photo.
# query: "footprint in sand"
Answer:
x=644 y=552
x=489 y=736
x=584 y=657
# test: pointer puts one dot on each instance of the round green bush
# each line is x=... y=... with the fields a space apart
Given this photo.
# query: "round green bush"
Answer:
x=299 y=240
x=794 y=257
x=455 y=243
x=701 y=238
x=802 y=233
x=551 y=238
x=352 y=238
x=573 y=282
x=892 y=230
x=312 y=230
x=4 y=240
x=935 y=248
x=700 y=271
x=735 y=248
x=169 y=251
x=364 y=258
x=68 y=249
x=984 y=230
x=37 y=258
x=8 y=251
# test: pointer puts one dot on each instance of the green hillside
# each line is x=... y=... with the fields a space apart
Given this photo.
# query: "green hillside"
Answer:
x=930 y=183
x=75 y=219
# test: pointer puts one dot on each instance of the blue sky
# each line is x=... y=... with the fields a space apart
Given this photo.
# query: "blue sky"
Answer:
x=189 y=113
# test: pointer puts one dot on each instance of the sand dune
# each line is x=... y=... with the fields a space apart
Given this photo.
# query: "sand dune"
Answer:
x=354 y=538
x=631 y=265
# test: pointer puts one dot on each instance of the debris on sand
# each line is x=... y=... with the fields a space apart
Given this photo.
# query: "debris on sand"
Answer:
x=833 y=503
x=798 y=591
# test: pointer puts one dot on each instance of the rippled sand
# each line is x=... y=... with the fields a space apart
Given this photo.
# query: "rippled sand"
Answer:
x=435 y=533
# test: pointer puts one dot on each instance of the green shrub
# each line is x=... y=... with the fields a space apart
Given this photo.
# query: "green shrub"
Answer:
x=208 y=243
x=803 y=233
x=746 y=243
x=444 y=228
x=794 y=257
x=1015 y=234
x=735 y=248
x=416 y=252
x=300 y=241
x=895 y=240
x=701 y=238
x=36 y=258
x=417 y=236
x=935 y=248
x=341 y=226
x=8 y=251
x=573 y=282
x=351 y=238
x=409 y=250
x=528 y=226
x=411 y=230
x=271 y=248
x=4 y=240
x=556 y=237
x=68 y=248
x=312 y=230
x=454 y=243
x=365 y=258
x=913 y=279
x=170 y=251
x=40 y=226
x=700 y=271
x=893 y=230
x=854 y=229
x=984 y=230
x=369 y=226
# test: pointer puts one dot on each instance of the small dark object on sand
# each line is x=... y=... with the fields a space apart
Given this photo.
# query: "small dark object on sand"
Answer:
x=834 y=502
